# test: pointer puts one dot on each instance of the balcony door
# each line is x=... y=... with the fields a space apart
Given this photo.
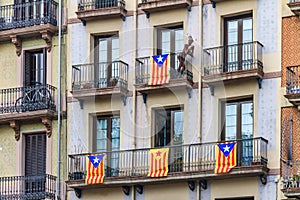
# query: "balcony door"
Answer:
x=238 y=125
x=106 y=67
x=170 y=41
x=238 y=43
x=107 y=140
x=35 y=163
x=169 y=129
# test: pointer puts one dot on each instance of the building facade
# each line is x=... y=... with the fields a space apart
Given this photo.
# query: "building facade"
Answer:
x=290 y=102
x=29 y=103
x=228 y=91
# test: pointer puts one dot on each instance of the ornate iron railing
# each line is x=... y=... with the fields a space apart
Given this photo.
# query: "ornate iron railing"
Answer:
x=182 y=158
x=230 y=58
x=28 y=187
x=28 y=14
x=290 y=174
x=293 y=80
x=143 y=69
x=100 y=75
x=97 y=4
x=29 y=98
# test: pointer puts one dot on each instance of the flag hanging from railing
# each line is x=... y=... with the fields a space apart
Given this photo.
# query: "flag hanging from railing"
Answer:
x=158 y=162
x=159 y=69
x=95 y=169
x=225 y=157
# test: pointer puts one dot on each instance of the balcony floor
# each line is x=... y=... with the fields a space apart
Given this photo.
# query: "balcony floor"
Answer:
x=255 y=170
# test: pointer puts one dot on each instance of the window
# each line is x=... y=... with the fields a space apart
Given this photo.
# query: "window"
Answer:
x=237 y=117
x=35 y=162
x=107 y=140
x=169 y=129
x=35 y=68
x=238 y=42
x=106 y=57
x=170 y=41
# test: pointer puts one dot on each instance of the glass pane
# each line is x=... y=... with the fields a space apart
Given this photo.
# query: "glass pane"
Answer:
x=166 y=41
x=178 y=127
x=101 y=145
x=232 y=33
x=115 y=49
x=230 y=121
x=247 y=30
x=247 y=120
x=102 y=50
x=161 y=128
x=179 y=40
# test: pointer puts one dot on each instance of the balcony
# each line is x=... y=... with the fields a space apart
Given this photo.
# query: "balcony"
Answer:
x=186 y=162
x=295 y=6
x=100 y=9
x=28 y=19
x=291 y=178
x=177 y=80
x=293 y=85
x=232 y=62
x=150 y=6
x=28 y=187
x=27 y=103
x=99 y=79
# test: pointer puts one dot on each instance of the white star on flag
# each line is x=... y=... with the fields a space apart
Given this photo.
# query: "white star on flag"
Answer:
x=96 y=160
x=226 y=148
x=160 y=59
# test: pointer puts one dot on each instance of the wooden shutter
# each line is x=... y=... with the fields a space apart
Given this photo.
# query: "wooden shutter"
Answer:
x=27 y=68
x=35 y=155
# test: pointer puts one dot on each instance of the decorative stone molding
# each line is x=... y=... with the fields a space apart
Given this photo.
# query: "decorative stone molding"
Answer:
x=48 y=124
x=18 y=44
x=16 y=126
x=48 y=39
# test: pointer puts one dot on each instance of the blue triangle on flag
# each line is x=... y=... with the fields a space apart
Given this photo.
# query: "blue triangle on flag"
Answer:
x=96 y=160
x=226 y=148
x=160 y=59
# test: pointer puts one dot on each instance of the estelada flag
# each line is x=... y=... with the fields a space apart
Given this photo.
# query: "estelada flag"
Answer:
x=159 y=69
x=159 y=162
x=95 y=169
x=225 y=157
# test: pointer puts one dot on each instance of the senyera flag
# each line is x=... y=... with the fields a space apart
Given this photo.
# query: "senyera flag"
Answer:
x=95 y=169
x=158 y=162
x=159 y=69
x=225 y=157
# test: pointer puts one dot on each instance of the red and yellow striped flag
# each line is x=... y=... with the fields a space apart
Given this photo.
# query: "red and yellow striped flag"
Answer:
x=159 y=69
x=225 y=157
x=159 y=162
x=95 y=169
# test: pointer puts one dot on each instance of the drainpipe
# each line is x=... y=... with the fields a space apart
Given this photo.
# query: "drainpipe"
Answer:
x=200 y=72
x=59 y=96
x=134 y=96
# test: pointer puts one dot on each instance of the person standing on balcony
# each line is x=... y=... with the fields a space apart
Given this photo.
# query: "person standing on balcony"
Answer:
x=185 y=57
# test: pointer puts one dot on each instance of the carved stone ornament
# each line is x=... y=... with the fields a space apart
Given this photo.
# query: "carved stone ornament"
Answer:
x=16 y=126
x=48 y=124
x=48 y=39
x=18 y=44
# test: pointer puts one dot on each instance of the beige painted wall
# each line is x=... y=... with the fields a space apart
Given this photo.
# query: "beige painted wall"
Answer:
x=8 y=66
x=101 y=194
x=7 y=151
x=236 y=187
x=166 y=191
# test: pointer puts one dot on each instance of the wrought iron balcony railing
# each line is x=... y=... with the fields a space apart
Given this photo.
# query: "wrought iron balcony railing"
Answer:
x=100 y=75
x=291 y=174
x=28 y=14
x=198 y=158
x=143 y=70
x=98 y=4
x=28 y=187
x=231 y=58
x=29 y=98
x=293 y=80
